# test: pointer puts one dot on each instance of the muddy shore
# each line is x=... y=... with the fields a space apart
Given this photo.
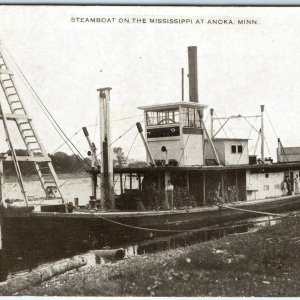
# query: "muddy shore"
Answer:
x=263 y=263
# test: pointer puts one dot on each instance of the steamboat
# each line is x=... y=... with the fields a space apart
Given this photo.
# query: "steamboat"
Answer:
x=192 y=180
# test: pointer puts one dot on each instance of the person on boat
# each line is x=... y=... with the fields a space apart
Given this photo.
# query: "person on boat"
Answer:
x=284 y=187
x=186 y=198
x=289 y=186
x=153 y=195
x=296 y=182
x=169 y=195
x=177 y=196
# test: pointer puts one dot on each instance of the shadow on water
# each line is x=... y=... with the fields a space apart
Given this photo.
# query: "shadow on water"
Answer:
x=25 y=258
x=189 y=238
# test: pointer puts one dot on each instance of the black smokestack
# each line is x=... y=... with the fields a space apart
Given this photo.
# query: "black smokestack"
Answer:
x=193 y=76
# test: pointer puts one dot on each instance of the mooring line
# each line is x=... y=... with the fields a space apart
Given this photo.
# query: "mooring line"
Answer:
x=183 y=230
x=253 y=211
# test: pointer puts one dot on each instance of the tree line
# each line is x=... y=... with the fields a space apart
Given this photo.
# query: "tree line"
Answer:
x=65 y=163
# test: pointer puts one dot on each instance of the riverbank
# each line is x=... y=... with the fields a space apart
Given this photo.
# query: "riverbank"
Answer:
x=263 y=263
x=62 y=176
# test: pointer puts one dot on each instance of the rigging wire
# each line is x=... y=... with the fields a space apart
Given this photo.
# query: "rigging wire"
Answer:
x=127 y=118
x=45 y=109
x=221 y=125
x=251 y=124
x=276 y=135
x=256 y=144
x=252 y=127
x=220 y=128
x=53 y=152
x=184 y=147
x=83 y=168
x=267 y=146
x=33 y=170
x=95 y=130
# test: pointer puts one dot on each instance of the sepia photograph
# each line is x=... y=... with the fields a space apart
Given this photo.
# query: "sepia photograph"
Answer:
x=149 y=151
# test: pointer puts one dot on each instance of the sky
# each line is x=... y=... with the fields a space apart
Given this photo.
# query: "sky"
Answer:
x=240 y=67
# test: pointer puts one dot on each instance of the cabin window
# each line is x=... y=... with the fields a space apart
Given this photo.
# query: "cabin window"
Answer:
x=267 y=175
x=191 y=118
x=266 y=187
x=233 y=148
x=151 y=118
x=162 y=117
x=236 y=149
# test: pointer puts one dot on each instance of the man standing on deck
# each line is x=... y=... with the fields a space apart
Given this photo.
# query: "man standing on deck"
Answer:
x=284 y=187
x=169 y=195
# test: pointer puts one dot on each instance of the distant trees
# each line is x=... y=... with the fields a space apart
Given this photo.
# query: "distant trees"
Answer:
x=64 y=163
x=120 y=160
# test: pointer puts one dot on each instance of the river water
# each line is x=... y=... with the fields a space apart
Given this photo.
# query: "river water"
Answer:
x=70 y=187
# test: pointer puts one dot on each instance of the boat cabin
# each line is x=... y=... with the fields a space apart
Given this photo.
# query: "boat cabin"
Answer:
x=231 y=151
x=175 y=133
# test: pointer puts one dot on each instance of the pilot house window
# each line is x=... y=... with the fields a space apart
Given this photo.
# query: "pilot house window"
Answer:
x=191 y=117
x=162 y=117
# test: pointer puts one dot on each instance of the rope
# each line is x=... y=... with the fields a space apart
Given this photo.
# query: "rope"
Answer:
x=179 y=230
x=253 y=211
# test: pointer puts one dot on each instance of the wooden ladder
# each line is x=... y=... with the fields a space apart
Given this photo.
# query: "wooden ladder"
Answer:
x=36 y=151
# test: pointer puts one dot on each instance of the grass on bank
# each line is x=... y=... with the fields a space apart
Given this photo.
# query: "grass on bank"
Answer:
x=264 y=263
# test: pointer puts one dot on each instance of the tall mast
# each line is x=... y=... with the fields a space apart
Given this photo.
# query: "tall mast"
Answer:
x=182 y=84
x=107 y=191
x=212 y=123
x=262 y=107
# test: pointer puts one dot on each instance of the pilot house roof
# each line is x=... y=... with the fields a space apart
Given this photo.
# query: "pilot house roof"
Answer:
x=172 y=105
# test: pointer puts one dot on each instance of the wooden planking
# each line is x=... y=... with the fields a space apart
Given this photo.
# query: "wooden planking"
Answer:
x=12 y=117
x=6 y=71
x=29 y=158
